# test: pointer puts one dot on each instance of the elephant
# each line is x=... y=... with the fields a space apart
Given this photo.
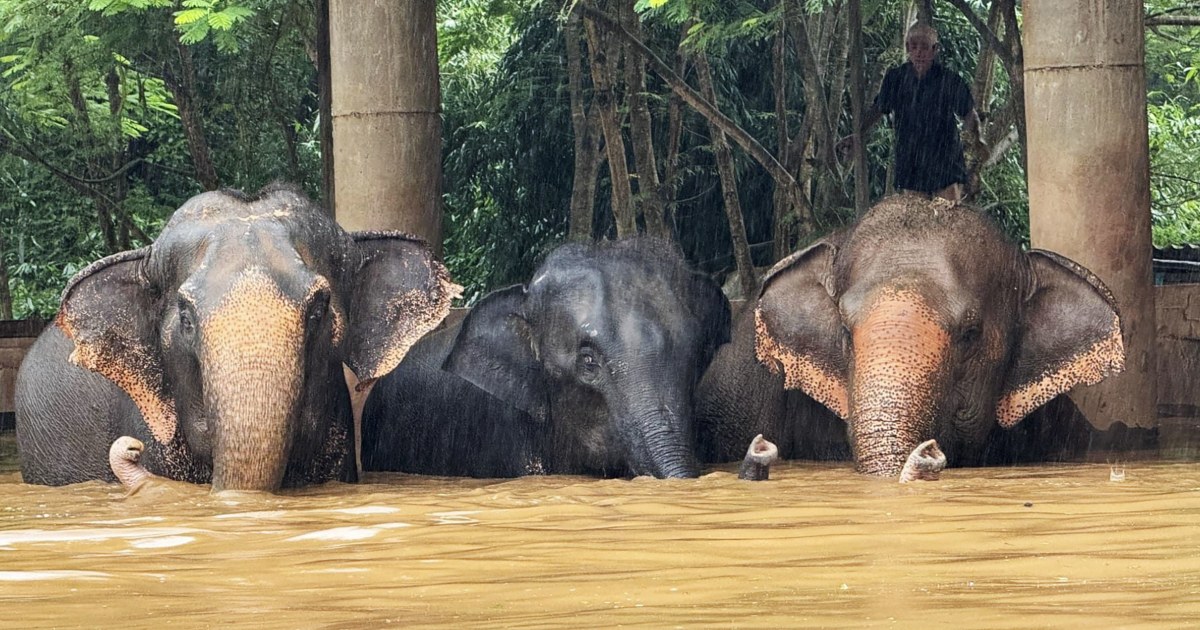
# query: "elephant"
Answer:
x=124 y=459
x=589 y=369
x=920 y=321
x=221 y=346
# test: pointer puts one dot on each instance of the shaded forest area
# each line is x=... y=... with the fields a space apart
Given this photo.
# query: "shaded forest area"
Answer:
x=720 y=119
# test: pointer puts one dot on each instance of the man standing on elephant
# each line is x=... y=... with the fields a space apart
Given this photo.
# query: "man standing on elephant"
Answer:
x=925 y=98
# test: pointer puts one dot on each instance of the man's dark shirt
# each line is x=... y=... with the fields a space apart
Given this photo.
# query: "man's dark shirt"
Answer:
x=929 y=154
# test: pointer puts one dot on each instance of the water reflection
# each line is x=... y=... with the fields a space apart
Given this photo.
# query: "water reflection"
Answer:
x=817 y=545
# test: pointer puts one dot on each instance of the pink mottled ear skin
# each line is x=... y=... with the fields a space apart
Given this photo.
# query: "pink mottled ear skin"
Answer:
x=798 y=329
x=108 y=313
x=400 y=293
x=1072 y=337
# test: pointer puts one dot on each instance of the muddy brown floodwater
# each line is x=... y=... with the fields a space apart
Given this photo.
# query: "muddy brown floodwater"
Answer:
x=816 y=546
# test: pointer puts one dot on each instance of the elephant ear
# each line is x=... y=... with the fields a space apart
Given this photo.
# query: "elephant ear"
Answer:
x=798 y=329
x=1071 y=336
x=714 y=314
x=399 y=293
x=109 y=310
x=494 y=350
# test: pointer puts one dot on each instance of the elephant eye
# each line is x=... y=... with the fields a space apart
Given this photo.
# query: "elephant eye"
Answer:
x=187 y=322
x=318 y=307
x=970 y=334
x=587 y=363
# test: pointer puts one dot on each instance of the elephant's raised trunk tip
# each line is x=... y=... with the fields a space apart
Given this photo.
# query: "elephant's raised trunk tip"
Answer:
x=925 y=463
x=124 y=457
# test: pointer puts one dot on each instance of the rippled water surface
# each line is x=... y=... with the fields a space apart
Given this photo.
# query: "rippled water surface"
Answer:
x=816 y=546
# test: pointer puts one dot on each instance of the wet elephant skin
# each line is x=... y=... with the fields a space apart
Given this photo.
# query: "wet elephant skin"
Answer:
x=590 y=369
x=921 y=321
x=221 y=346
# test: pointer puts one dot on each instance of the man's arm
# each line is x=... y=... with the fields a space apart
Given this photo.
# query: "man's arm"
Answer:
x=870 y=118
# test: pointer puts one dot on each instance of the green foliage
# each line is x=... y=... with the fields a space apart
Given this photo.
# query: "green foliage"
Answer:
x=1173 y=113
x=507 y=132
x=507 y=136
x=83 y=93
x=200 y=18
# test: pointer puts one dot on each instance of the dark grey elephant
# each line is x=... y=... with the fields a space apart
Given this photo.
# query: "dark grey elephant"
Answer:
x=590 y=369
x=225 y=340
x=921 y=321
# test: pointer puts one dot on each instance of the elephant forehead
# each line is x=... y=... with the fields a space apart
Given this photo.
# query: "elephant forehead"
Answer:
x=254 y=302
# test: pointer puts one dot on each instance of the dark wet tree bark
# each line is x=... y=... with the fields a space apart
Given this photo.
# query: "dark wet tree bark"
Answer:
x=182 y=84
x=729 y=190
x=670 y=183
x=325 y=103
x=603 y=53
x=924 y=10
x=6 y=311
x=780 y=222
x=587 y=142
x=862 y=186
x=649 y=195
x=1009 y=51
x=695 y=100
x=116 y=157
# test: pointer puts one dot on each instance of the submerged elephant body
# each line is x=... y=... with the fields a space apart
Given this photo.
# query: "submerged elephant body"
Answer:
x=919 y=322
x=590 y=369
x=221 y=346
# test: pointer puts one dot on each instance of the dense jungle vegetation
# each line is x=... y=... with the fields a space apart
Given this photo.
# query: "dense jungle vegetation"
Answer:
x=113 y=112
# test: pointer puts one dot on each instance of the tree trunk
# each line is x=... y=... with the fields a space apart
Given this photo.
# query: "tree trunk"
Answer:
x=862 y=185
x=386 y=113
x=695 y=100
x=1016 y=74
x=182 y=85
x=604 y=90
x=91 y=155
x=670 y=183
x=733 y=208
x=325 y=104
x=640 y=135
x=587 y=142
x=117 y=156
x=6 y=311
x=977 y=153
x=1086 y=58
x=781 y=243
x=924 y=9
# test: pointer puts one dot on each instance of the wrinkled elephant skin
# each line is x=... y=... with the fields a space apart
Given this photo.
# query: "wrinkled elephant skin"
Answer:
x=589 y=369
x=221 y=346
x=921 y=321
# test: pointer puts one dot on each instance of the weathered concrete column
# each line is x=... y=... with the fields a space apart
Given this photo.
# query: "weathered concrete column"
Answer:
x=387 y=130
x=1089 y=173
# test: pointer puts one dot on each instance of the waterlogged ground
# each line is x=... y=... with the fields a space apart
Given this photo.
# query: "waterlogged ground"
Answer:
x=816 y=546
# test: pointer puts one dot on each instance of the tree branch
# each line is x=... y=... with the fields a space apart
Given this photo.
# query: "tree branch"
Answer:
x=986 y=33
x=697 y=102
x=1176 y=20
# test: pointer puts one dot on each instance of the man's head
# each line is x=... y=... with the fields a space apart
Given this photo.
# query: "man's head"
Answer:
x=921 y=44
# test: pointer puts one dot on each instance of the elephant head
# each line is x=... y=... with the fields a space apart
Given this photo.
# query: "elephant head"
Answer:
x=229 y=332
x=603 y=348
x=922 y=321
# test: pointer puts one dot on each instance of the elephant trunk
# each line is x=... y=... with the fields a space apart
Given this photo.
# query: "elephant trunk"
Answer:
x=660 y=440
x=900 y=354
x=254 y=347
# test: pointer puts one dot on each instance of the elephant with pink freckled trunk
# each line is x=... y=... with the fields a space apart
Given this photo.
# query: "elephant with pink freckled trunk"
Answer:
x=221 y=346
x=919 y=322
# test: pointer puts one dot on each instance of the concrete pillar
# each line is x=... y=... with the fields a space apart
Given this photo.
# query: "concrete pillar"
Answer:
x=1089 y=173
x=387 y=130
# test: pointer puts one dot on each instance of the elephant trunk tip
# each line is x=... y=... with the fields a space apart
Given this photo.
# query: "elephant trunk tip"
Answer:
x=925 y=463
x=124 y=458
x=757 y=464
